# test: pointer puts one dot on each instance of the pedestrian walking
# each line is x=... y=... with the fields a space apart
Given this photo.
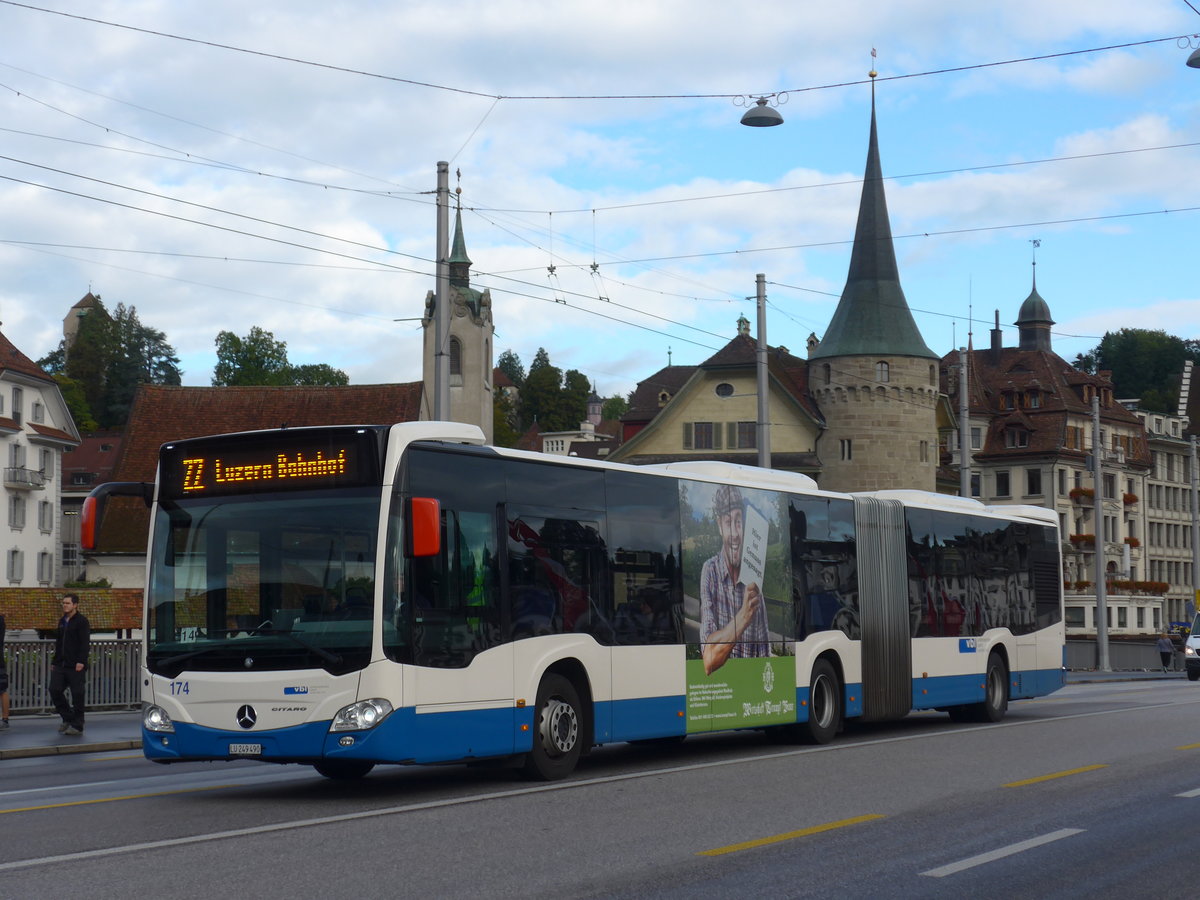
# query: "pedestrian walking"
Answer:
x=1166 y=651
x=68 y=668
x=3 y=680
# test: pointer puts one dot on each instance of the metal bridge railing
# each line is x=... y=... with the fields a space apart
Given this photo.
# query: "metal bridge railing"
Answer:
x=112 y=675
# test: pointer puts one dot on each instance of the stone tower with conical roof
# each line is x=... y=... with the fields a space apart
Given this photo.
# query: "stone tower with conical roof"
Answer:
x=873 y=377
x=470 y=343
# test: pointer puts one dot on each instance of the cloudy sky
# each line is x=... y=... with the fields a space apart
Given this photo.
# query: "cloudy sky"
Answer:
x=221 y=165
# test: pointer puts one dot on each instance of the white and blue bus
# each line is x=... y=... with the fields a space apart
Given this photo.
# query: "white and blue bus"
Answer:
x=349 y=596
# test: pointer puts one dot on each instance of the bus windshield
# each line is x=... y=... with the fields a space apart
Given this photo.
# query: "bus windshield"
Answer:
x=257 y=582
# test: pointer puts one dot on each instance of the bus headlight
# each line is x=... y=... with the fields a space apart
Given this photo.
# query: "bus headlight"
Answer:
x=155 y=718
x=1189 y=650
x=361 y=716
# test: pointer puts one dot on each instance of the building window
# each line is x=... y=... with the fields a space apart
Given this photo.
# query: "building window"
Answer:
x=45 y=516
x=827 y=371
x=1074 y=617
x=37 y=412
x=747 y=435
x=976 y=437
x=1033 y=481
x=16 y=456
x=16 y=511
x=882 y=371
x=924 y=451
x=18 y=404
x=16 y=566
x=976 y=484
x=45 y=567
x=1002 y=488
x=1110 y=487
x=847 y=449
x=456 y=376
x=1035 y=400
x=82 y=478
x=1016 y=437
x=705 y=436
x=47 y=466
x=724 y=389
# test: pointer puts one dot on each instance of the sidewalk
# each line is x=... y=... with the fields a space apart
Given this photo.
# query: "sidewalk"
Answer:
x=38 y=735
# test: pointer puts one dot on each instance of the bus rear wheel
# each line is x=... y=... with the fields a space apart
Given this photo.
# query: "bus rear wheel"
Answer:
x=557 y=731
x=824 y=704
x=995 y=696
x=343 y=769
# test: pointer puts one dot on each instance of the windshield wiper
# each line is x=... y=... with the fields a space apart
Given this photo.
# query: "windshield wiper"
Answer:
x=332 y=658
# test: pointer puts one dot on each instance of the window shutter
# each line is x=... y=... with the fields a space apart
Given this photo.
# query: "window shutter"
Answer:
x=687 y=435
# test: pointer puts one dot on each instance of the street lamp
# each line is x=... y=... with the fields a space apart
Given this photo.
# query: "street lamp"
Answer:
x=761 y=114
x=1193 y=61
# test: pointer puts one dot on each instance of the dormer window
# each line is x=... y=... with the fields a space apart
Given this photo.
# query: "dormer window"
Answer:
x=1016 y=437
x=1034 y=399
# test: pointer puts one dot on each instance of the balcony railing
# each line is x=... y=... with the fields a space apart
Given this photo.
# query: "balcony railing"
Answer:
x=25 y=479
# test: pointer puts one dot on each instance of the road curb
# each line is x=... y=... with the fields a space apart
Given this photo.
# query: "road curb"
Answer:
x=65 y=749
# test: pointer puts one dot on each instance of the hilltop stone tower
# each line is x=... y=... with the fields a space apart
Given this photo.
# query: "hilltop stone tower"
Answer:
x=873 y=377
x=470 y=349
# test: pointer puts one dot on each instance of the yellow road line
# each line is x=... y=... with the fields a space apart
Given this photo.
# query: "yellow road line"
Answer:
x=791 y=835
x=215 y=787
x=1189 y=747
x=1054 y=775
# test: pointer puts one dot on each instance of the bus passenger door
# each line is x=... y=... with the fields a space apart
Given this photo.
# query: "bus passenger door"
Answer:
x=463 y=675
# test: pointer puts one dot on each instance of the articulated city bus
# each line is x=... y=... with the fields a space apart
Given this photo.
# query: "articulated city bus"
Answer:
x=349 y=596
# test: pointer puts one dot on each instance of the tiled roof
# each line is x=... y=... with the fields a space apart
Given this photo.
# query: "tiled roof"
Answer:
x=14 y=359
x=90 y=457
x=993 y=373
x=645 y=404
x=53 y=434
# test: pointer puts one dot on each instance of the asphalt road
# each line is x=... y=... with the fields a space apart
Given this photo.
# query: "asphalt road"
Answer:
x=1089 y=792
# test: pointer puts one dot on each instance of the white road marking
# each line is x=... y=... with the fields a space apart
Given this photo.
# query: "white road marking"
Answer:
x=1001 y=852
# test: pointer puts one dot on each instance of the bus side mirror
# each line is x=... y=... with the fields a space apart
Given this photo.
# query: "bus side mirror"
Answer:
x=424 y=527
x=93 y=506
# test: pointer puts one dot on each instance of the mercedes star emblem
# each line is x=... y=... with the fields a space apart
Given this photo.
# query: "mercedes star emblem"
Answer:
x=246 y=716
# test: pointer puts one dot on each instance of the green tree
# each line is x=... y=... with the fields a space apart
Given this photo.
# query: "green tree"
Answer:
x=614 y=407
x=1145 y=364
x=256 y=359
x=109 y=357
x=317 y=374
x=510 y=364
x=140 y=355
x=503 y=433
x=572 y=400
x=540 y=394
x=259 y=359
x=77 y=405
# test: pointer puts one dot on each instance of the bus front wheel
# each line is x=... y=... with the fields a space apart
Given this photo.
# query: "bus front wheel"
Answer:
x=557 y=731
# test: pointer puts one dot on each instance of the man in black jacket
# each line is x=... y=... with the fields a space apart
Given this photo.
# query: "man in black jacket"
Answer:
x=69 y=665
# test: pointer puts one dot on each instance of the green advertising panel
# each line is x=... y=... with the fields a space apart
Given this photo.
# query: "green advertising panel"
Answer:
x=743 y=693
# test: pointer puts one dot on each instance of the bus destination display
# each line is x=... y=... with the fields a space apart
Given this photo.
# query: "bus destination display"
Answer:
x=205 y=468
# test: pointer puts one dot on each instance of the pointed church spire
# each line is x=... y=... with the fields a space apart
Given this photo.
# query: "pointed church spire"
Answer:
x=872 y=317
x=460 y=263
